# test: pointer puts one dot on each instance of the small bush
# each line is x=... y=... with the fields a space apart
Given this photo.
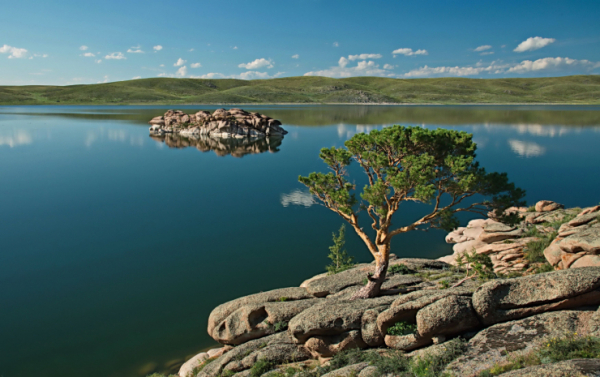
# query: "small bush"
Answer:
x=399 y=269
x=534 y=250
x=531 y=209
x=261 y=367
x=545 y=267
x=402 y=328
x=444 y=284
x=570 y=347
x=481 y=264
x=280 y=326
x=283 y=299
x=339 y=258
x=433 y=365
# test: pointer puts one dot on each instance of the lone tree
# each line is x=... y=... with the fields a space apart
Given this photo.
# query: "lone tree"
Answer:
x=409 y=164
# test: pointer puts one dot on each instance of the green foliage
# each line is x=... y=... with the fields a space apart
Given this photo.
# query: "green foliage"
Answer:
x=480 y=264
x=199 y=368
x=261 y=367
x=444 y=284
x=534 y=250
x=402 y=328
x=531 y=209
x=227 y=373
x=280 y=326
x=545 y=267
x=283 y=299
x=400 y=269
x=411 y=164
x=340 y=261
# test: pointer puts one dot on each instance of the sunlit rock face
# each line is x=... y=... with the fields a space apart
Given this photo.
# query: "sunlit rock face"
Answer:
x=236 y=147
x=233 y=123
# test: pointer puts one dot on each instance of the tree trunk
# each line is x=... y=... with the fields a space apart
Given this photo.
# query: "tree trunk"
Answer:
x=374 y=281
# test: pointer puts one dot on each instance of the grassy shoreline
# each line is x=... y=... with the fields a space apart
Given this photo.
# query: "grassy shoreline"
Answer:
x=305 y=90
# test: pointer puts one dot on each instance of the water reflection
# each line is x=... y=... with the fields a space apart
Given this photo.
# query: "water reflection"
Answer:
x=14 y=137
x=222 y=147
x=526 y=148
x=297 y=197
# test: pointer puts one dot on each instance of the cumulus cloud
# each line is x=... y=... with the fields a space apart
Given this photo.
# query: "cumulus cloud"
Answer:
x=483 y=48
x=181 y=72
x=388 y=66
x=195 y=65
x=364 y=57
x=363 y=68
x=487 y=53
x=296 y=56
x=83 y=48
x=135 y=50
x=554 y=64
x=426 y=71
x=136 y=77
x=211 y=75
x=235 y=47
x=157 y=48
x=533 y=43
x=179 y=62
x=89 y=55
x=13 y=52
x=409 y=52
x=115 y=56
x=191 y=49
x=99 y=61
x=258 y=63
x=335 y=44
x=249 y=75
x=526 y=149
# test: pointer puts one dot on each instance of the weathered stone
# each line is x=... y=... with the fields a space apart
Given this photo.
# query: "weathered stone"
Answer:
x=188 y=367
x=420 y=263
x=277 y=348
x=369 y=330
x=216 y=352
x=455 y=235
x=568 y=368
x=334 y=283
x=583 y=219
x=503 y=246
x=553 y=253
x=508 y=299
x=590 y=210
x=587 y=261
x=546 y=206
x=316 y=277
x=492 y=345
x=253 y=321
x=500 y=236
x=495 y=227
x=327 y=346
x=221 y=312
x=348 y=371
x=394 y=281
x=333 y=317
x=468 y=246
x=567 y=259
x=595 y=323
x=406 y=342
x=447 y=316
x=370 y=371
x=473 y=233
x=587 y=240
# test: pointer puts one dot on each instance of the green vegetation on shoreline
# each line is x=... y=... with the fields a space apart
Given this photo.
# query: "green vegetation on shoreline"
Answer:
x=310 y=89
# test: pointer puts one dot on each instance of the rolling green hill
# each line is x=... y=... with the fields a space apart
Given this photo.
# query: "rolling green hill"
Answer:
x=309 y=89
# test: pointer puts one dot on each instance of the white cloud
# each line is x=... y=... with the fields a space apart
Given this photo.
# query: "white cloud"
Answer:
x=83 y=48
x=191 y=49
x=335 y=44
x=179 y=62
x=39 y=56
x=13 y=52
x=181 y=72
x=388 y=66
x=135 y=50
x=249 y=75
x=526 y=149
x=136 y=77
x=426 y=71
x=14 y=138
x=258 y=63
x=157 y=48
x=89 y=55
x=99 y=61
x=553 y=64
x=363 y=68
x=296 y=56
x=364 y=57
x=487 y=53
x=195 y=65
x=483 y=48
x=104 y=81
x=409 y=52
x=533 y=43
x=162 y=65
x=235 y=47
x=211 y=75
x=115 y=56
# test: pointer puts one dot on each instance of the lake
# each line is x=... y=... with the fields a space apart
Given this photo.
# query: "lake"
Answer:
x=115 y=246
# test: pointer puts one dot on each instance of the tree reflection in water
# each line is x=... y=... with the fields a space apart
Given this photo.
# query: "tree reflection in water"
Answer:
x=237 y=147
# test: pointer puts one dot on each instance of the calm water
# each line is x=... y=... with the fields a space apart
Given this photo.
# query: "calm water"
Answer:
x=116 y=246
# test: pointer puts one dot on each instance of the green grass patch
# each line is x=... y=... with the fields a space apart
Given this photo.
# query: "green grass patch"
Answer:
x=261 y=367
x=402 y=328
x=399 y=269
x=534 y=250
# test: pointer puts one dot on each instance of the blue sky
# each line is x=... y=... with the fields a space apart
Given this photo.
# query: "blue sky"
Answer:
x=74 y=42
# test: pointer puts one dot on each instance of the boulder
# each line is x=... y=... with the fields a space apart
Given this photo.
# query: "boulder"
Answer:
x=221 y=312
x=569 y=368
x=492 y=345
x=590 y=210
x=447 y=316
x=587 y=240
x=188 y=367
x=553 y=253
x=253 y=321
x=369 y=330
x=334 y=283
x=586 y=261
x=583 y=219
x=277 y=348
x=489 y=237
x=468 y=246
x=324 y=346
x=348 y=371
x=406 y=342
x=333 y=317
x=508 y=299
x=546 y=206
x=420 y=263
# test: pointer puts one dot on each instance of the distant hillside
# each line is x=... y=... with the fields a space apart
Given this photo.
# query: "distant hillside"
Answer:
x=309 y=89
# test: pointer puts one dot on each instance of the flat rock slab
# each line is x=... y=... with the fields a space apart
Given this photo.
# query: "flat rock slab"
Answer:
x=569 y=368
x=335 y=283
x=221 y=312
x=495 y=227
x=492 y=345
x=508 y=299
x=587 y=240
x=421 y=263
x=350 y=370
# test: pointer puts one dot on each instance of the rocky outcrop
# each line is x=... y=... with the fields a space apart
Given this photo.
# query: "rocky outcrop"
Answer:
x=233 y=123
x=492 y=345
x=508 y=299
x=569 y=368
